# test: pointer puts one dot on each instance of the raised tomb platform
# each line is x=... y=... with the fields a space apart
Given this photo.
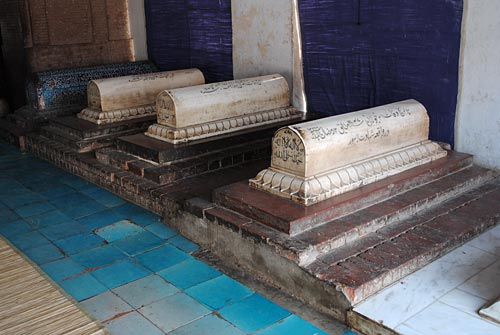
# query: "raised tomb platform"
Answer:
x=205 y=128
x=193 y=113
x=117 y=107
x=51 y=94
x=131 y=97
x=320 y=159
x=399 y=202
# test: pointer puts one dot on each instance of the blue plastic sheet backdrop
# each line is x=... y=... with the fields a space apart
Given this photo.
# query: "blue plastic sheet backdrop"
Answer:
x=362 y=53
x=191 y=33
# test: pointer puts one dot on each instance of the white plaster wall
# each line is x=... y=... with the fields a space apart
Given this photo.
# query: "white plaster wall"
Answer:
x=477 y=127
x=137 y=19
x=266 y=41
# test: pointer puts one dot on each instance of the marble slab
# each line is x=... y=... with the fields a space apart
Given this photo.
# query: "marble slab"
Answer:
x=406 y=298
x=441 y=319
x=320 y=159
x=197 y=112
x=125 y=98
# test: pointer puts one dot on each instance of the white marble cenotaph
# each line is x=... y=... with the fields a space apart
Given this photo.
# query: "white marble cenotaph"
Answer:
x=192 y=113
x=316 y=160
x=130 y=97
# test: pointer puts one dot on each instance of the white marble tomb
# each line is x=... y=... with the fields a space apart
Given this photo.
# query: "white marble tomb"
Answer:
x=316 y=160
x=130 y=97
x=197 y=112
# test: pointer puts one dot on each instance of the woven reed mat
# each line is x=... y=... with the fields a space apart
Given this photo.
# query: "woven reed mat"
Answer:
x=31 y=304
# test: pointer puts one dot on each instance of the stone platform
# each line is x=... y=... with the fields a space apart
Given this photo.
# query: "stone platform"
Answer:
x=82 y=135
x=332 y=254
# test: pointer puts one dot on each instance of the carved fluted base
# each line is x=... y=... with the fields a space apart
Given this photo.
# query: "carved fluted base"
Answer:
x=335 y=182
x=220 y=127
x=99 y=117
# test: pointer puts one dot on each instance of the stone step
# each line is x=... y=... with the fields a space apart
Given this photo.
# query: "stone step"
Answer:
x=175 y=171
x=84 y=136
x=377 y=260
x=293 y=218
x=72 y=141
x=163 y=152
x=342 y=231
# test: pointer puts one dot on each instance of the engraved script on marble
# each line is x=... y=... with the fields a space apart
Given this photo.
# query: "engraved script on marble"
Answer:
x=124 y=98
x=319 y=159
x=288 y=148
x=197 y=112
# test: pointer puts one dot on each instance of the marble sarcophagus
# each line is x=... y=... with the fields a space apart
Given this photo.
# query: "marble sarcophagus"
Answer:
x=192 y=113
x=125 y=98
x=316 y=160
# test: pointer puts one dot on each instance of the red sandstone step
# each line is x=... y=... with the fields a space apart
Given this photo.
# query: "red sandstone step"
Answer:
x=377 y=260
x=293 y=218
x=344 y=230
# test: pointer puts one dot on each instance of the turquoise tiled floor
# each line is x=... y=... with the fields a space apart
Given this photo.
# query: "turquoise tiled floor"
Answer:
x=120 y=262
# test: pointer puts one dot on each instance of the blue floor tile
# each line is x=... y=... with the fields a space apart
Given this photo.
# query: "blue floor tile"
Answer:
x=48 y=219
x=138 y=243
x=183 y=243
x=106 y=306
x=262 y=311
x=174 y=311
x=63 y=230
x=79 y=243
x=161 y=230
x=83 y=287
x=120 y=273
x=292 y=325
x=219 y=292
x=16 y=201
x=7 y=215
x=57 y=191
x=44 y=254
x=210 y=324
x=99 y=256
x=349 y=332
x=70 y=200
x=29 y=240
x=75 y=182
x=145 y=218
x=14 y=228
x=106 y=198
x=34 y=209
x=162 y=258
x=189 y=273
x=132 y=324
x=119 y=230
x=62 y=269
x=128 y=210
x=84 y=208
x=89 y=189
x=100 y=219
x=145 y=291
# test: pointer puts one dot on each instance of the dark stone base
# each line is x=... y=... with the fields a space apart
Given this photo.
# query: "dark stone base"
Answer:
x=85 y=136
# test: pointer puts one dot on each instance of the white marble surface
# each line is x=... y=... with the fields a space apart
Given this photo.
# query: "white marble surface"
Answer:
x=414 y=293
x=488 y=242
x=443 y=297
x=441 y=319
x=485 y=284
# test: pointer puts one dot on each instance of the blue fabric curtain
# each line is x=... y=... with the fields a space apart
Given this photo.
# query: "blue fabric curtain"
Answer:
x=363 y=53
x=191 y=33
